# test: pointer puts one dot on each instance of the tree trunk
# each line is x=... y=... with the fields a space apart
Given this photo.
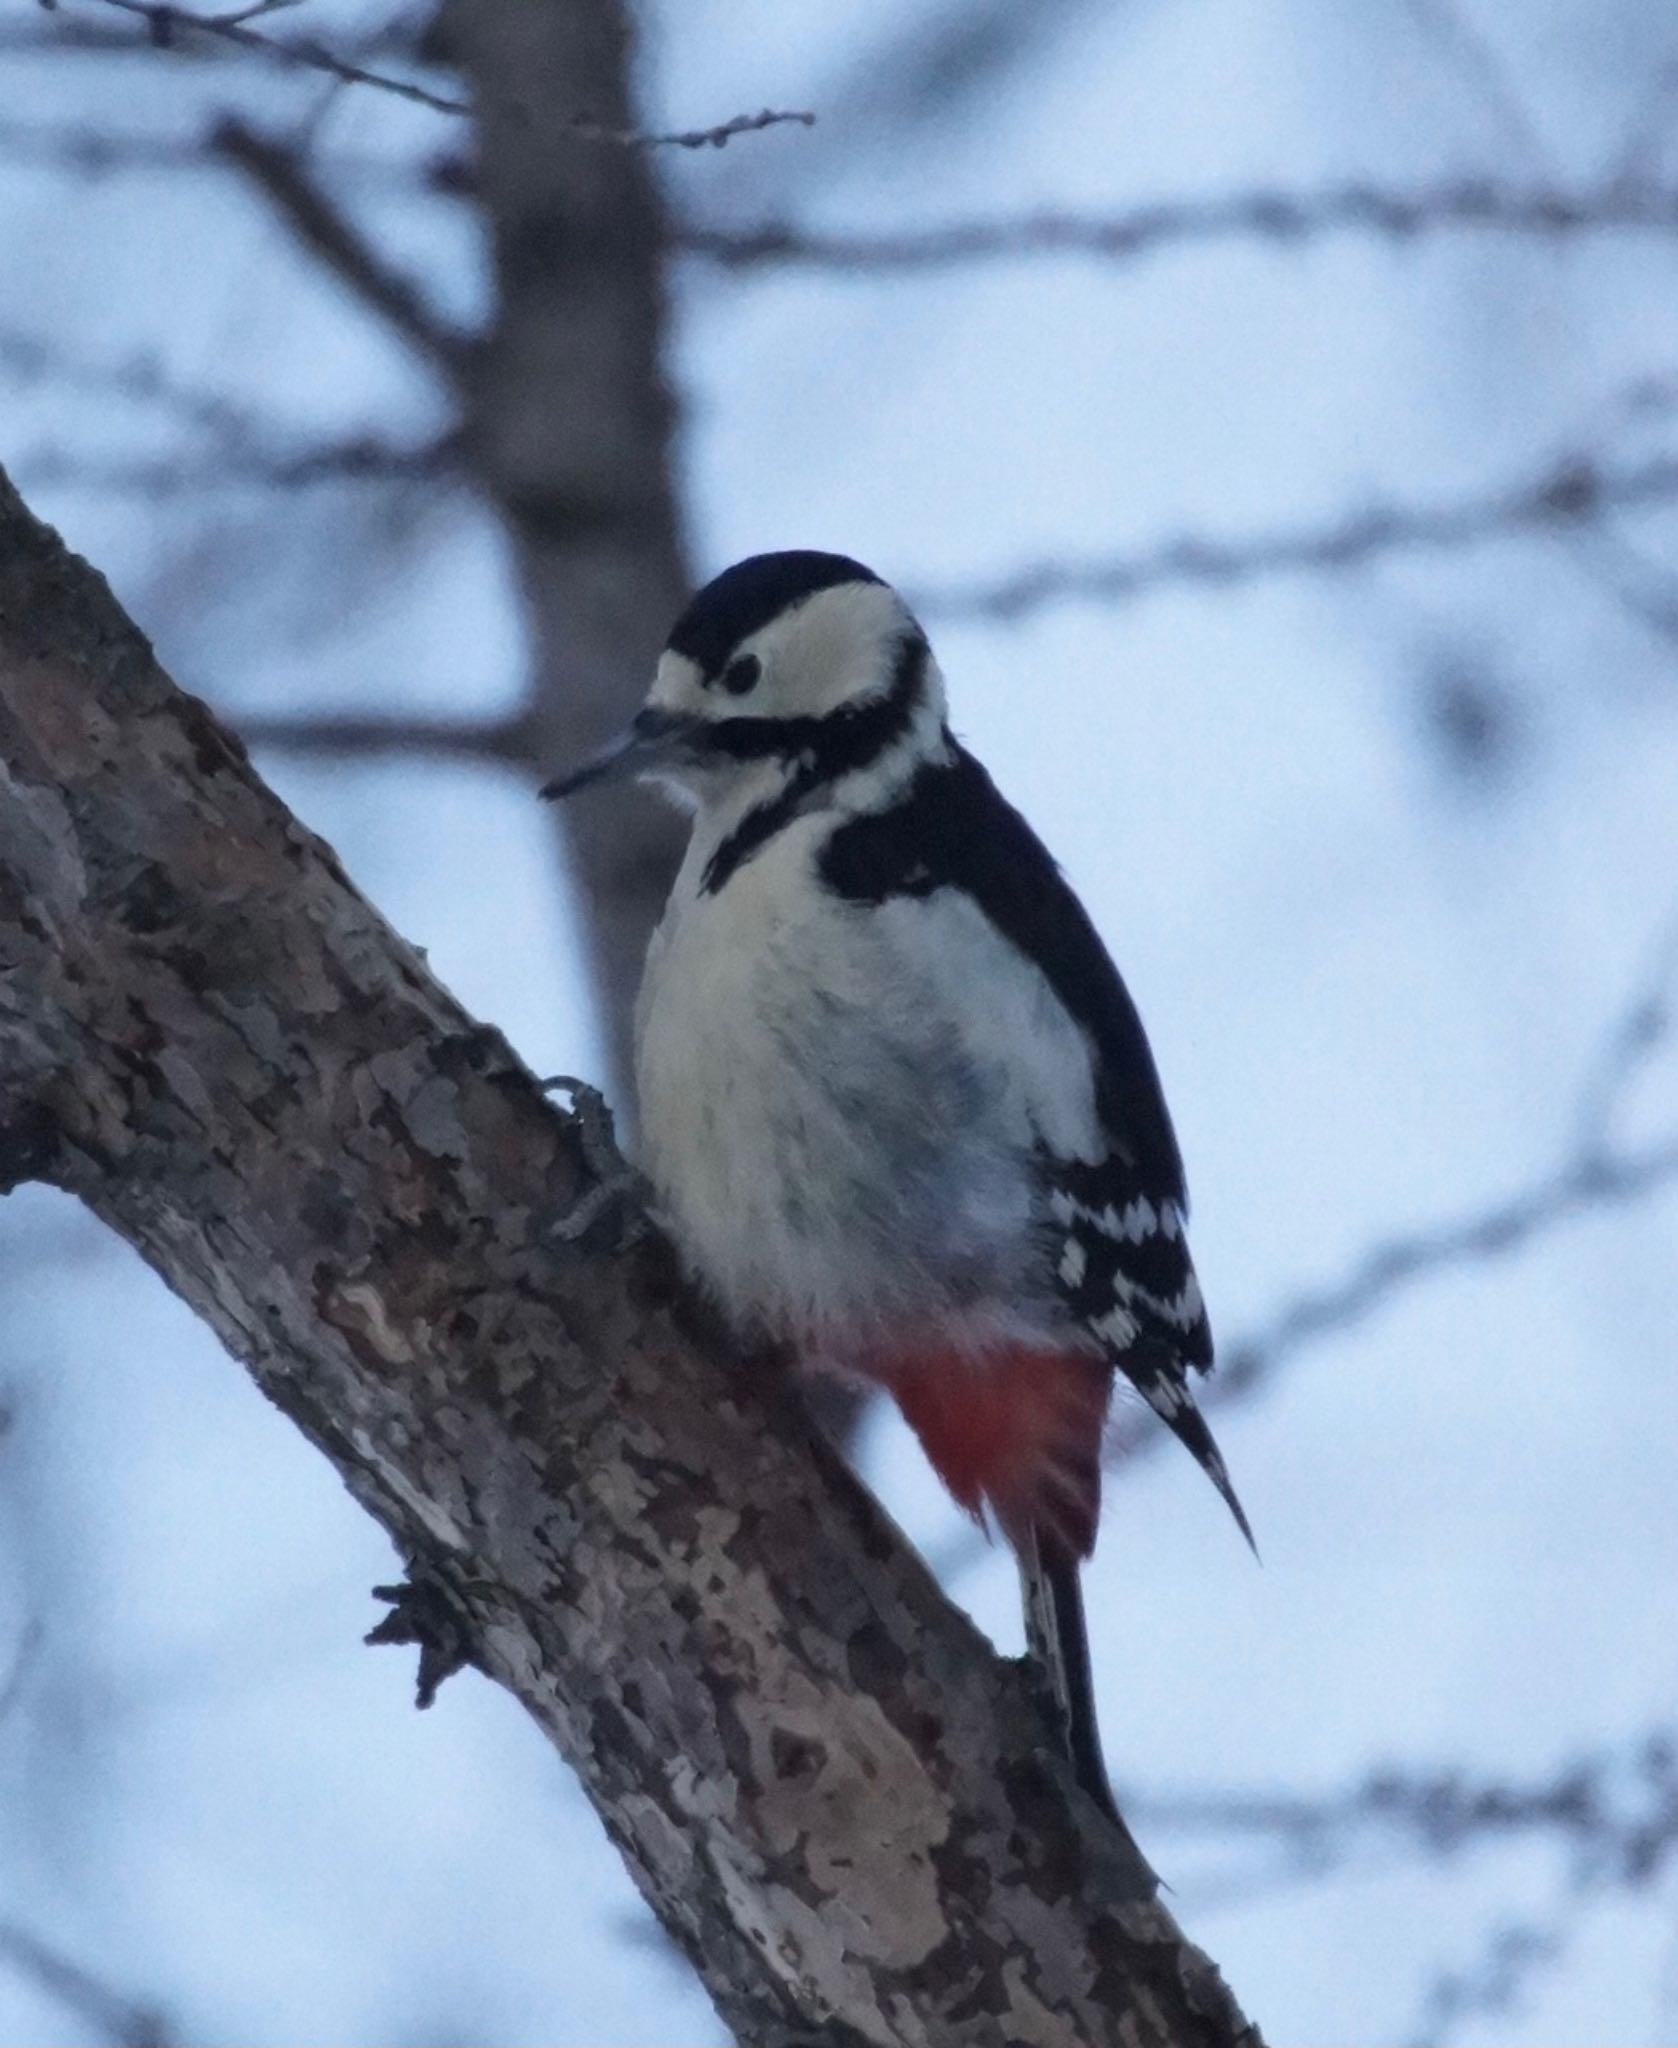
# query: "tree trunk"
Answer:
x=849 y=1813
x=569 y=422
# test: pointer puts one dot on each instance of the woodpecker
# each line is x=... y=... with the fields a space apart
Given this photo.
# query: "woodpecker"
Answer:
x=897 y=1107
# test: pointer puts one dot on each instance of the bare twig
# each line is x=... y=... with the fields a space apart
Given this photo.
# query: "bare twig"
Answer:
x=238 y=447
x=509 y=740
x=30 y=1638
x=715 y=137
x=1643 y=1026
x=83 y=151
x=279 y=174
x=356 y=459
x=1401 y=1261
x=1494 y=1983
x=570 y=424
x=1593 y=1177
x=95 y=152
x=1650 y=127
x=1279 y=216
x=1477 y=59
x=1616 y=1815
x=1621 y=1841
x=1604 y=557
x=123 y=2021
x=165 y=22
x=1646 y=588
x=1614 y=1818
x=1577 y=489
x=142 y=379
x=378 y=36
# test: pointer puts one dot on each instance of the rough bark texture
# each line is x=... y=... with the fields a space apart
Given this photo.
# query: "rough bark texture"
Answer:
x=841 y=1804
x=569 y=423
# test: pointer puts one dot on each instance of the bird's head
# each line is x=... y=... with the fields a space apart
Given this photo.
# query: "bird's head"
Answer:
x=797 y=664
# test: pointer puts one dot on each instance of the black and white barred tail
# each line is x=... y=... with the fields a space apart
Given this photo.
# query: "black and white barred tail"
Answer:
x=1123 y=1266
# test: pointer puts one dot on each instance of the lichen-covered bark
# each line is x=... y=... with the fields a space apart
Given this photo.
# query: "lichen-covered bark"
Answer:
x=841 y=1804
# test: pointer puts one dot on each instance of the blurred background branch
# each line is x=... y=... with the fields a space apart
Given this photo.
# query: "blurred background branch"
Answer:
x=1606 y=1824
x=1613 y=1816
x=166 y=23
x=1599 y=1173
x=167 y=26
x=109 y=2015
x=1274 y=215
x=1568 y=493
x=324 y=231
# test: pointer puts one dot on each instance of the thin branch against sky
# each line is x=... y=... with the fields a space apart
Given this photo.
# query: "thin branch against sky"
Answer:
x=164 y=22
x=1282 y=216
x=1566 y=494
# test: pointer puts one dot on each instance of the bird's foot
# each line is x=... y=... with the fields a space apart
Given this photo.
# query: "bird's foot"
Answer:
x=617 y=1193
x=423 y=1613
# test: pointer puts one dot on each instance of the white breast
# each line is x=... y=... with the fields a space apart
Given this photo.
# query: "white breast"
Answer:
x=841 y=1105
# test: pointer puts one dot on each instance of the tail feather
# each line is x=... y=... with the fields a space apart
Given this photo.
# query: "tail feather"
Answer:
x=1059 y=1642
x=1188 y=1425
x=1158 y=1378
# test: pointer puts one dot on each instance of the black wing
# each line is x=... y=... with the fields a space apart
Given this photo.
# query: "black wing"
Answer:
x=1123 y=1262
x=953 y=828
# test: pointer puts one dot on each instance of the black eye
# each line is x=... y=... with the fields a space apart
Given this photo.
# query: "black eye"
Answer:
x=741 y=674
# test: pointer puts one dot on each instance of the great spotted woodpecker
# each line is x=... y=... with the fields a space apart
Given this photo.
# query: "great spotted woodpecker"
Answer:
x=897 y=1106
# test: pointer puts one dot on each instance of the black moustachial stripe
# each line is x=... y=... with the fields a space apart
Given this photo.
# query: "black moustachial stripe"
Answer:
x=824 y=749
x=735 y=604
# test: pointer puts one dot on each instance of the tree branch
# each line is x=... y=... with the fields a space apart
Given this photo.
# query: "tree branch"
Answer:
x=1594 y=1179
x=1613 y=1818
x=357 y=459
x=505 y=740
x=1597 y=1182
x=141 y=378
x=848 y=1812
x=569 y=435
x=1561 y=499
x=165 y=21
x=123 y=2021
x=237 y=445
x=278 y=173
x=717 y=136
x=1616 y=1815
x=83 y=150
x=1492 y=1984
x=1595 y=1175
x=1285 y=218
x=1643 y=1026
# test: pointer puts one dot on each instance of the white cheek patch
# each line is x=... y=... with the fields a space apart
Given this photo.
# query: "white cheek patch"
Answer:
x=833 y=647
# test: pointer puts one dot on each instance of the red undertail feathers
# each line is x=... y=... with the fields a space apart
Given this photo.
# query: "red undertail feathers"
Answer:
x=1018 y=1433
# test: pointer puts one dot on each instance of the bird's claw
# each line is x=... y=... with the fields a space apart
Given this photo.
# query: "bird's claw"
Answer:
x=616 y=1187
x=423 y=1613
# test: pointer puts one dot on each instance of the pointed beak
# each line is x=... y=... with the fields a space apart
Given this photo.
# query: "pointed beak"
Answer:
x=654 y=741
